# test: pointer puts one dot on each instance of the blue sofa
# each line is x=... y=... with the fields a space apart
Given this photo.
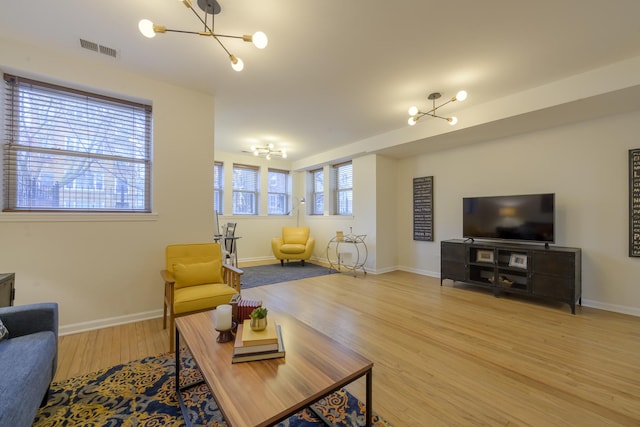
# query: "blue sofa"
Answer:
x=28 y=361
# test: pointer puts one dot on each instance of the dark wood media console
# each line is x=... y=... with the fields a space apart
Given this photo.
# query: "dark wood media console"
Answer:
x=526 y=269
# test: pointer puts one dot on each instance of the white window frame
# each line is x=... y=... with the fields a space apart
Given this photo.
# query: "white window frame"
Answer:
x=239 y=192
x=343 y=188
x=283 y=196
x=64 y=133
x=218 y=187
x=317 y=192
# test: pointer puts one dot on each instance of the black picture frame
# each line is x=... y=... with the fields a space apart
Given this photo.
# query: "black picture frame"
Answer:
x=423 y=208
x=634 y=202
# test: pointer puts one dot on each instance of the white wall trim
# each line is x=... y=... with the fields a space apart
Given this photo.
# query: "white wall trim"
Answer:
x=76 y=217
x=108 y=322
x=632 y=311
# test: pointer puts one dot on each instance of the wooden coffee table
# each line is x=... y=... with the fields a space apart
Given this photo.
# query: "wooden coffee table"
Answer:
x=263 y=393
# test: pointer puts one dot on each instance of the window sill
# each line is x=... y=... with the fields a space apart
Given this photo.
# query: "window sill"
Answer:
x=76 y=217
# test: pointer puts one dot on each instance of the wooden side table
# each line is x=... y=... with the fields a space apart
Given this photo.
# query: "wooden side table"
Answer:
x=7 y=289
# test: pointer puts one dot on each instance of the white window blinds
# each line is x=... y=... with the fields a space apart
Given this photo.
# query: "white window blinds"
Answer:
x=218 y=187
x=344 y=188
x=317 y=193
x=245 y=190
x=278 y=197
x=69 y=150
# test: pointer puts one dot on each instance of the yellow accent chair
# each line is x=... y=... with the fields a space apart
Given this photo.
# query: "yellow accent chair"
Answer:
x=295 y=244
x=195 y=280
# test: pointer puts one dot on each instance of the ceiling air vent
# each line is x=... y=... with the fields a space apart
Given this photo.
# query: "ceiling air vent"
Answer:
x=89 y=45
x=109 y=51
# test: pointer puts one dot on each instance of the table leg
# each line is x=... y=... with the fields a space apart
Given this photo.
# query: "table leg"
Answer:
x=177 y=362
x=369 y=398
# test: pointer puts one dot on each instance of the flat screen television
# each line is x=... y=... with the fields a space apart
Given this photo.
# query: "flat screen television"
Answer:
x=527 y=217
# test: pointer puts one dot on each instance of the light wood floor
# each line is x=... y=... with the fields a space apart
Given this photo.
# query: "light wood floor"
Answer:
x=450 y=355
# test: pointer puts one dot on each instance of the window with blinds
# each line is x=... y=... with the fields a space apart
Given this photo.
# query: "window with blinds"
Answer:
x=317 y=192
x=278 y=196
x=343 y=188
x=218 y=187
x=245 y=189
x=70 y=150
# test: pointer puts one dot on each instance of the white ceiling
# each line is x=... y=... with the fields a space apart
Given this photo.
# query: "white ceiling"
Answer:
x=337 y=72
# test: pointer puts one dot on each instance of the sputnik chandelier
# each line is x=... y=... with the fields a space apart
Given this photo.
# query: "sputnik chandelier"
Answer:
x=268 y=151
x=209 y=7
x=417 y=114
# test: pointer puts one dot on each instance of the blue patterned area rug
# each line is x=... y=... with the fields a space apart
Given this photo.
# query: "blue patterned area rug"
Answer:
x=276 y=273
x=142 y=394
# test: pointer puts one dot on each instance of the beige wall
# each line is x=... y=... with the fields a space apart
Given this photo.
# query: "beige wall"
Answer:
x=584 y=164
x=105 y=269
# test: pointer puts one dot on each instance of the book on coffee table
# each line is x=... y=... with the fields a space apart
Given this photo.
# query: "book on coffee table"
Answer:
x=255 y=338
x=243 y=353
x=240 y=348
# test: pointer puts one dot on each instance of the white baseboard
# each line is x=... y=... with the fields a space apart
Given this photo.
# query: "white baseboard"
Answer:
x=121 y=320
x=110 y=321
x=633 y=311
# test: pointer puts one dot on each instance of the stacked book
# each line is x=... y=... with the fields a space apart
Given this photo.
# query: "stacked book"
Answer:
x=257 y=345
x=245 y=307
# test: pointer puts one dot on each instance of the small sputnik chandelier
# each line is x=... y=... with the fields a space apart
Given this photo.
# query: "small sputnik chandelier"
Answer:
x=209 y=7
x=415 y=114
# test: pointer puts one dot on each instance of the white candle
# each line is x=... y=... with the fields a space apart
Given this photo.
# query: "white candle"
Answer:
x=223 y=317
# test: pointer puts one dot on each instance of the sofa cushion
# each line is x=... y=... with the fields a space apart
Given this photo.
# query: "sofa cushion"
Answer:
x=26 y=364
x=197 y=273
x=4 y=332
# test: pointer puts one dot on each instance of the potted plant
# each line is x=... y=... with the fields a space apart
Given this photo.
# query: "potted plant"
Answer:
x=259 y=318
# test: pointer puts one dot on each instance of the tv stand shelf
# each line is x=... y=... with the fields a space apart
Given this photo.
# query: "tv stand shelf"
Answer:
x=551 y=272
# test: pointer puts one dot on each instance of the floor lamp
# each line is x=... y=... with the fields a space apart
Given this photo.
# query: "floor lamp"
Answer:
x=297 y=209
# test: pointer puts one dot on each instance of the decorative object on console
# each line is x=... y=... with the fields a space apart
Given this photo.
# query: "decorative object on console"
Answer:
x=209 y=7
x=416 y=114
x=484 y=256
x=518 y=260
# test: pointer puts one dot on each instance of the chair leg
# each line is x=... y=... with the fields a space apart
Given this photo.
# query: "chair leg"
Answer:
x=282 y=262
x=302 y=263
x=164 y=315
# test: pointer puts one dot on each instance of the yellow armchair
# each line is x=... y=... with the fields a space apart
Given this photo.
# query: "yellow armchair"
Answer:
x=196 y=279
x=295 y=244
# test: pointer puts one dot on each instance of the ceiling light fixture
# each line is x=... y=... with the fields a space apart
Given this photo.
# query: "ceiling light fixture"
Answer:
x=417 y=114
x=209 y=7
x=268 y=151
